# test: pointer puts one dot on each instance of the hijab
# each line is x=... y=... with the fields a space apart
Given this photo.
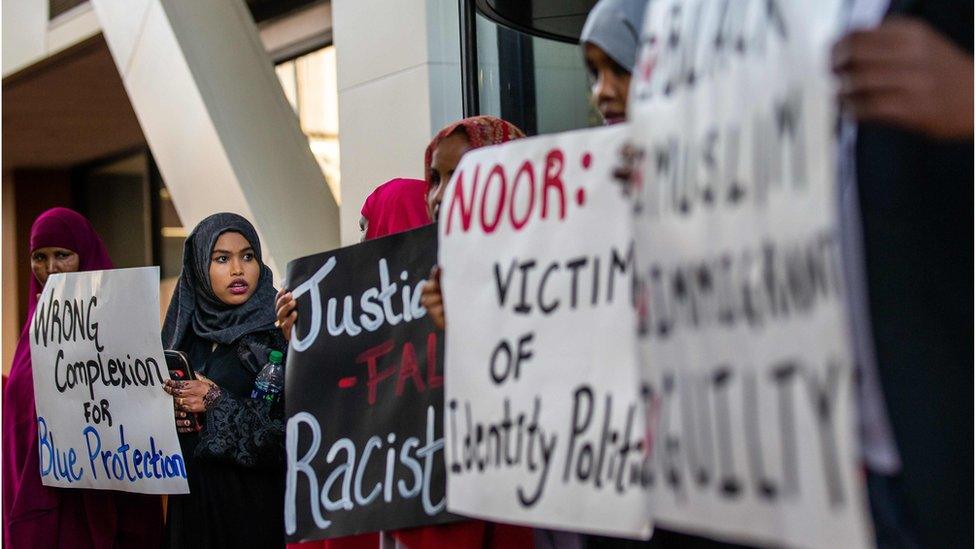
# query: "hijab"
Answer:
x=481 y=131
x=35 y=515
x=395 y=206
x=614 y=26
x=196 y=307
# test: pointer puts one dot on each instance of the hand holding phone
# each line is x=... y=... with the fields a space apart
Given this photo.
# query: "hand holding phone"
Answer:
x=179 y=370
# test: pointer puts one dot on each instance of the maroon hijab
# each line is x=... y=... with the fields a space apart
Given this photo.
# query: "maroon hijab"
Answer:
x=35 y=515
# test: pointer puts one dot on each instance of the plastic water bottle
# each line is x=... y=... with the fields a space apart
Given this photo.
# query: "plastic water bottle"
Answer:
x=271 y=379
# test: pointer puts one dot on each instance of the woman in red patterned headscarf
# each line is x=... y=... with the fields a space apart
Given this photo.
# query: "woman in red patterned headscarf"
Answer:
x=442 y=157
x=440 y=160
x=393 y=207
x=445 y=151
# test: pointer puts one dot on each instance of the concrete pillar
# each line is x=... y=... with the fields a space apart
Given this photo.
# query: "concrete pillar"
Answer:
x=219 y=126
x=399 y=75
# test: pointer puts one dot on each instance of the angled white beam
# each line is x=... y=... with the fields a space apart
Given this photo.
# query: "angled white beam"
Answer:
x=217 y=121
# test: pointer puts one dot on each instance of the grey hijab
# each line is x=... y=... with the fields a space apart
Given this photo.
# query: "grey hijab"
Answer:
x=614 y=26
x=195 y=305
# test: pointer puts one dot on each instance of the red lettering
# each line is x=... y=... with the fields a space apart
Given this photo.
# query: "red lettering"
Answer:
x=526 y=168
x=433 y=380
x=370 y=356
x=408 y=369
x=553 y=179
x=498 y=173
x=465 y=206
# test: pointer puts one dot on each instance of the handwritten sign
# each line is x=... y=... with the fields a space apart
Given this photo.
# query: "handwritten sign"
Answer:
x=545 y=420
x=742 y=315
x=365 y=392
x=103 y=420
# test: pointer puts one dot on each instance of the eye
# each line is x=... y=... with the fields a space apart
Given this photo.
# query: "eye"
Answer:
x=249 y=256
x=220 y=259
x=618 y=69
x=38 y=257
x=62 y=255
x=590 y=70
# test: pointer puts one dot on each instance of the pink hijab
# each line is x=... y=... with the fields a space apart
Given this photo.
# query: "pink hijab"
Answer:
x=396 y=206
x=35 y=515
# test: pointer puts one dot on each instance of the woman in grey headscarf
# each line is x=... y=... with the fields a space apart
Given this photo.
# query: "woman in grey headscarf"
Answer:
x=222 y=317
x=609 y=39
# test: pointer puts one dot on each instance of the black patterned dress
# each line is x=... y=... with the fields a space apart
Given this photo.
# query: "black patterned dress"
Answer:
x=235 y=465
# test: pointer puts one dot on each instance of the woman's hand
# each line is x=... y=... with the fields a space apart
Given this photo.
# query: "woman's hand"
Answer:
x=286 y=313
x=906 y=73
x=189 y=398
x=432 y=299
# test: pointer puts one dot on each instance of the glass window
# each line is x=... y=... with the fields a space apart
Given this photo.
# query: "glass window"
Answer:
x=538 y=84
x=130 y=207
x=115 y=196
x=309 y=82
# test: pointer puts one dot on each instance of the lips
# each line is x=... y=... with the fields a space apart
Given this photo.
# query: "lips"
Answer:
x=238 y=287
x=614 y=118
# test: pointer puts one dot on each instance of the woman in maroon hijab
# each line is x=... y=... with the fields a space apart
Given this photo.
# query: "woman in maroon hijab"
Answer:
x=35 y=515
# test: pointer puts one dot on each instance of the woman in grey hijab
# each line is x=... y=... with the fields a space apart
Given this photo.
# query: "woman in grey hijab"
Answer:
x=222 y=317
x=609 y=39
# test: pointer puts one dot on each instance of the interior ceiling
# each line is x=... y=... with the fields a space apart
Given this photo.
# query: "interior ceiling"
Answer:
x=68 y=109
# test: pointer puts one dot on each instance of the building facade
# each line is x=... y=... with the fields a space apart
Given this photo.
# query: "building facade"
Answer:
x=146 y=115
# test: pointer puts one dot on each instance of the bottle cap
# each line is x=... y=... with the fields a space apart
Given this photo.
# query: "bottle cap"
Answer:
x=276 y=356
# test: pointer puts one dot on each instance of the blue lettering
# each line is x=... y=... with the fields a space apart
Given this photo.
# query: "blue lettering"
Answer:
x=92 y=452
x=45 y=446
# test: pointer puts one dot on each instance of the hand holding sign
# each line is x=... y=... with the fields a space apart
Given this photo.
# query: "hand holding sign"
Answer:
x=285 y=312
x=103 y=421
x=432 y=299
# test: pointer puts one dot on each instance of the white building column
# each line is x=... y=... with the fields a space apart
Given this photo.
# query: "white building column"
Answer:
x=217 y=121
x=398 y=66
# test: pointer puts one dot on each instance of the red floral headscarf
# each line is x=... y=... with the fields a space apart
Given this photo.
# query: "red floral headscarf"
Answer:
x=481 y=131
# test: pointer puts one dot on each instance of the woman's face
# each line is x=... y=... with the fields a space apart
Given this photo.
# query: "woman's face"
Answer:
x=234 y=269
x=610 y=84
x=47 y=261
x=445 y=159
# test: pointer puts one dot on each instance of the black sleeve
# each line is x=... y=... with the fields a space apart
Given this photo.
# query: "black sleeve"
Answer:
x=246 y=431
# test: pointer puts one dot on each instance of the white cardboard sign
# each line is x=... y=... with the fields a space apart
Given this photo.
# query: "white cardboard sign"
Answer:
x=103 y=420
x=742 y=317
x=544 y=420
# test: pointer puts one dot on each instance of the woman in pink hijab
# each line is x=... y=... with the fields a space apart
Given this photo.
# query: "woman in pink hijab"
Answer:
x=35 y=515
x=395 y=206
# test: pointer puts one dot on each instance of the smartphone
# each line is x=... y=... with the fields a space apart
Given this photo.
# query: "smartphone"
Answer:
x=178 y=365
x=179 y=370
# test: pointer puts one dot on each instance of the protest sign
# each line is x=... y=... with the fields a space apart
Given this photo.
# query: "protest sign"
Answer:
x=103 y=420
x=364 y=388
x=544 y=415
x=742 y=316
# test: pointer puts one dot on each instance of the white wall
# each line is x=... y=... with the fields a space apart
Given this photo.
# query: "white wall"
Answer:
x=28 y=37
x=24 y=31
x=399 y=82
